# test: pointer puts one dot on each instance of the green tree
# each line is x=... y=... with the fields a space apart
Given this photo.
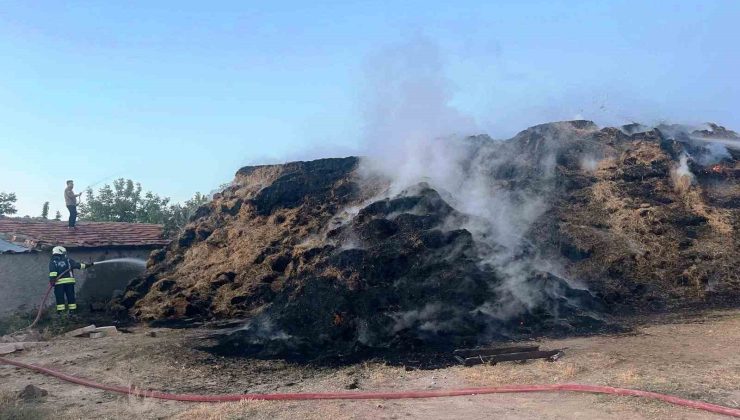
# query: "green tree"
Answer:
x=116 y=204
x=7 y=204
x=124 y=202
x=180 y=214
x=45 y=211
x=153 y=209
x=58 y=216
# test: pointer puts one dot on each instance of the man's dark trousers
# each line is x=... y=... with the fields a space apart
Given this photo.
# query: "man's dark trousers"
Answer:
x=72 y=215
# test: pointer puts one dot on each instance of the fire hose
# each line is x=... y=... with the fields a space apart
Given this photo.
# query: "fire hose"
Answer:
x=381 y=395
x=41 y=307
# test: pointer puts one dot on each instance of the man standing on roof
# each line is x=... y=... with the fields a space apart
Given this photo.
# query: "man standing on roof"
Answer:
x=70 y=199
x=62 y=276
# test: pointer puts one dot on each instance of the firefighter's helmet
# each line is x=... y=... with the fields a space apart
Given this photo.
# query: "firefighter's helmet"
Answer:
x=59 y=250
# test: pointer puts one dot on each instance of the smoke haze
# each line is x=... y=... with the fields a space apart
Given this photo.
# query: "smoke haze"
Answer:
x=413 y=133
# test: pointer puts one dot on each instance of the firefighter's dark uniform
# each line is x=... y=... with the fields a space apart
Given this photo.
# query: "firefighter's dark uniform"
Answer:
x=61 y=275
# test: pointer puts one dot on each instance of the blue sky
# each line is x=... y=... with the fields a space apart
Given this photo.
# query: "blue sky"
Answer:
x=179 y=94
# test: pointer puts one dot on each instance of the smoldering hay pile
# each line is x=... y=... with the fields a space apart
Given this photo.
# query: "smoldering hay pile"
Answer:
x=475 y=240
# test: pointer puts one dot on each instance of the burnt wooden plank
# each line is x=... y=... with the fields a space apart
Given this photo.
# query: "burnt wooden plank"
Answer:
x=472 y=361
x=490 y=351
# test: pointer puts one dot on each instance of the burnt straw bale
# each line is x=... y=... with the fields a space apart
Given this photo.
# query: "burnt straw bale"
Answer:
x=567 y=225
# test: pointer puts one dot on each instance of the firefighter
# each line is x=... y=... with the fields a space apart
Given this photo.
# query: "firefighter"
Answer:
x=61 y=275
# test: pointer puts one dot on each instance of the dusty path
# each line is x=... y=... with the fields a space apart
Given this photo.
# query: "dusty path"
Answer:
x=694 y=358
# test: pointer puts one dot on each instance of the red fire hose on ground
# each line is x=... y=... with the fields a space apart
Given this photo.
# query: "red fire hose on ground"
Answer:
x=41 y=307
x=594 y=389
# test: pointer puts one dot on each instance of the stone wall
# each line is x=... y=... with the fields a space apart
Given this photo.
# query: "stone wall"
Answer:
x=24 y=277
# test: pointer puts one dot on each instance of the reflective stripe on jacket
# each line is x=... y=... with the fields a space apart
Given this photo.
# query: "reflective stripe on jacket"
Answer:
x=61 y=269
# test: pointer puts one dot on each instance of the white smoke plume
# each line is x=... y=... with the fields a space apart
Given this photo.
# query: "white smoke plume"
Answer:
x=683 y=166
x=414 y=134
x=681 y=174
x=715 y=149
x=410 y=124
x=706 y=144
x=589 y=164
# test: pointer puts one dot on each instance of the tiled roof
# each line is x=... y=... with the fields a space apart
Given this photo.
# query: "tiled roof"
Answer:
x=11 y=248
x=35 y=233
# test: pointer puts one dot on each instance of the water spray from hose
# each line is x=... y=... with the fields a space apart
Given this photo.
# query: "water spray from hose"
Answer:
x=100 y=181
x=129 y=261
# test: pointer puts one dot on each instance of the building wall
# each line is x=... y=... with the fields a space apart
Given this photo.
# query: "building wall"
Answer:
x=24 y=277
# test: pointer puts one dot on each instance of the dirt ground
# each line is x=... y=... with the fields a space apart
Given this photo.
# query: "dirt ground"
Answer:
x=693 y=357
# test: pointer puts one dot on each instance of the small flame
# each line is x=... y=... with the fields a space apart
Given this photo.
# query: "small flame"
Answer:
x=717 y=168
